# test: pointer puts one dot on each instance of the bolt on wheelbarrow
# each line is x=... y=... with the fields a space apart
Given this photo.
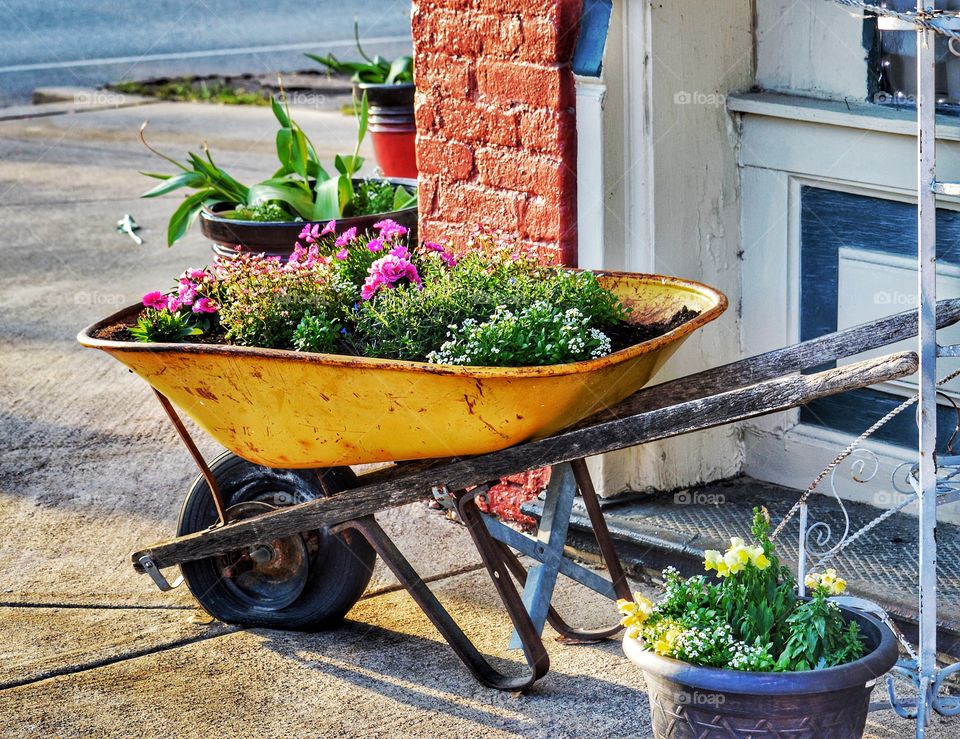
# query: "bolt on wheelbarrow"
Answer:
x=293 y=547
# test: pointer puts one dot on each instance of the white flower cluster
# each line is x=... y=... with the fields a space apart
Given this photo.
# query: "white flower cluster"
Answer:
x=698 y=644
x=749 y=658
x=540 y=330
x=456 y=350
x=718 y=645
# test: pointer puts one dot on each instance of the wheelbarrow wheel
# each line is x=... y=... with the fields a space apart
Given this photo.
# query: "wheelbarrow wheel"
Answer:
x=301 y=582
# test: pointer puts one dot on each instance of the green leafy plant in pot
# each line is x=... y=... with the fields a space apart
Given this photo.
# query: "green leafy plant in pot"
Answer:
x=745 y=652
x=388 y=84
x=268 y=216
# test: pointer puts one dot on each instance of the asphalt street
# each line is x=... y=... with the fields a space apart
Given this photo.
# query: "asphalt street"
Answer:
x=56 y=42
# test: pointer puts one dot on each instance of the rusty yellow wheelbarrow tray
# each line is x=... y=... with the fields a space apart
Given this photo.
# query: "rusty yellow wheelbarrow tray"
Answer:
x=293 y=409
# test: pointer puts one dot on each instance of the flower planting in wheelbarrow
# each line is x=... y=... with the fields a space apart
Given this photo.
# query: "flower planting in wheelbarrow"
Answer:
x=742 y=655
x=359 y=349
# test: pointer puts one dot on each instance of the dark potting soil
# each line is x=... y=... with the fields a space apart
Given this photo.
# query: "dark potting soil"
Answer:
x=622 y=335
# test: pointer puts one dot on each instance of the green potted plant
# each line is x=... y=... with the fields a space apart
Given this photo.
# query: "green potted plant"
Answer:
x=389 y=87
x=744 y=652
x=268 y=216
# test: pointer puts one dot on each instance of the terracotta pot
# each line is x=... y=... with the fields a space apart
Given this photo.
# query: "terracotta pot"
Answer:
x=688 y=701
x=231 y=237
x=392 y=127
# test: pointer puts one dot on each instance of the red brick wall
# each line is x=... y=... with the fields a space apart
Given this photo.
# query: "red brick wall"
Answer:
x=496 y=127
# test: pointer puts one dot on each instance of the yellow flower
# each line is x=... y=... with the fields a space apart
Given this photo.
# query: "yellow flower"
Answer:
x=759 y=559
x=736 y=559
x=664 y=645
x=635 y=612
x=828 y=581
x=644 y=604
x=711 y=558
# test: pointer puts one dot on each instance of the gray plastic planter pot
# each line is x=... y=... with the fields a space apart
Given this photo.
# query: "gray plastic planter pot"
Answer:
x=688 y=701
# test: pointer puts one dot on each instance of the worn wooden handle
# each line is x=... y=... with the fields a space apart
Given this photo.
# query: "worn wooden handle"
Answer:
x=405 y=485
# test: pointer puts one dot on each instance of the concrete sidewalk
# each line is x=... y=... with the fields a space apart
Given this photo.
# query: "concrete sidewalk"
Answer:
x=89 y=468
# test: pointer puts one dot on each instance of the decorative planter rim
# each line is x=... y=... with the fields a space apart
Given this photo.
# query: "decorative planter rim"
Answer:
x=863 y=671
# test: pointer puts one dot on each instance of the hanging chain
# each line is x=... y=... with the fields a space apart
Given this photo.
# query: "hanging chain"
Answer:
x=850 y=448
x=922 y=19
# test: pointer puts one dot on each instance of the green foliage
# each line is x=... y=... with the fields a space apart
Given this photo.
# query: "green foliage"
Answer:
x=316 y=333
x=411 y=323
x=377 y=71
x=369 y=295
x=261 y=212
x=262 y=303
x=299 y=189
x=748 y=619
x=379 y=196
x=818 y=637
x=194 y=91
x=164 y=326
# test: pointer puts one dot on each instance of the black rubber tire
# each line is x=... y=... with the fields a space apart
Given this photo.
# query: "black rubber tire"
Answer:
x=339 y=569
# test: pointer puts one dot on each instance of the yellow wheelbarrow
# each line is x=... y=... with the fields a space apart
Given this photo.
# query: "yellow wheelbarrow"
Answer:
x=279 y=531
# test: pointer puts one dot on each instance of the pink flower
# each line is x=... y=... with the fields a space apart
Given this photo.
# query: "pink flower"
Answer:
x=400 y=251
x=342 y=254
x=174 y=304
x=375 y=245
x=432 y=246
x=310 y=232
x=297 y=256
x=389 y=228
x=386 y=272
x=448 y=259
x=330 y=228
x=346 y=237
x=195 y=274
x=205 y=305
x=187 y=292
x=156 y=300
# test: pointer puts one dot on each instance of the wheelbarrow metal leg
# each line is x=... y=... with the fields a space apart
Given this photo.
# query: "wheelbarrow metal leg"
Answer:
x=527 y=545
x=551 y=538
x=539 y=582
x=600 y=530
x=534 y=651
x=553 y=617
x=198 y=459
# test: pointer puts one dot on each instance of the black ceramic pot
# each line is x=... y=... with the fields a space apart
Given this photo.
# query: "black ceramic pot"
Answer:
x=688 y=701
x=231 y=237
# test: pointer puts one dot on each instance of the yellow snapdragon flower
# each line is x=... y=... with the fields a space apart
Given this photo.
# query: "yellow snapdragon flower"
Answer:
x=664 y=645
x=635 y=613
x=713 y=560
x=828 y=580
x=735 y=559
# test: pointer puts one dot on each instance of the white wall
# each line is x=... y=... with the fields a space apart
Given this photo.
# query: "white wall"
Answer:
x=811 y=47
x=678 y=183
